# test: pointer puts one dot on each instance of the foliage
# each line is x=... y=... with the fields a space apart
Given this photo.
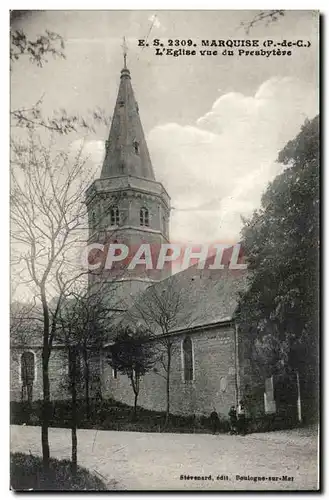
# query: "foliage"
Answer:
x=61 y=122
x=85 y=318
x=267 y=16
x=132 y=354
x=114 y=415
x=281 y=240
x=48 y=43
x=108 y=415
x=26 y=473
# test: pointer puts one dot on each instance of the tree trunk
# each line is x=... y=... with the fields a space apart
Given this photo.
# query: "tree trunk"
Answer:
x=86 y=377
x=168 y=384
x=135 y=386
x=73 y=367
x=46 y=386
x=135 y=405
x=45 y=411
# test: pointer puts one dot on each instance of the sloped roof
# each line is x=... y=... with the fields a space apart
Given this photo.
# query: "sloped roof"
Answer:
x=201 y=296
x=25 y=325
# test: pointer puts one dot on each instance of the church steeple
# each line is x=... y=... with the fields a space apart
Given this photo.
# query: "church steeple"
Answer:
x=126 y=205
x=126 y=149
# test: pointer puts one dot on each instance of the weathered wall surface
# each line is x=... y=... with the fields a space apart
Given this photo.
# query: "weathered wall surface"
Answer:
x=213 y=385
x=58 y=370
x=58 y=374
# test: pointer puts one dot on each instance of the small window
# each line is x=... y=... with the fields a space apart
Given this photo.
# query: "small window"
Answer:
x=136 y=147
x=93 y=218
x=144 y=217
x=114 y=373
x=188 y=370
x=115 y=216
x=121 y=104
x=27 y=375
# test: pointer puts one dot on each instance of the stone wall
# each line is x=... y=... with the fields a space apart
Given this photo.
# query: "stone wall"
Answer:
x=214 y=378
x=58 y=374
x=58 y=370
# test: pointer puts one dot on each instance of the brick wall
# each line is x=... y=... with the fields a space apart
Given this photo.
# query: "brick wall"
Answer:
x=214 y=359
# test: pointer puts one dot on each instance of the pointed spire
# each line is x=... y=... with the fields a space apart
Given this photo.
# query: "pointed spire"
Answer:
x=126 y=149
x=125 y=50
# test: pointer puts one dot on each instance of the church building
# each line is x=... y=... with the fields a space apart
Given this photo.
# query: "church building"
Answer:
x=210 y=367
x=210 y=359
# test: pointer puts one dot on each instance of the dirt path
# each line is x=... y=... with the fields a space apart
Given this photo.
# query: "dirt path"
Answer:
x=149 y=461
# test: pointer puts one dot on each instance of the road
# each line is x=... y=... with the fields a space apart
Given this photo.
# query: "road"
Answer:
x=152 y=461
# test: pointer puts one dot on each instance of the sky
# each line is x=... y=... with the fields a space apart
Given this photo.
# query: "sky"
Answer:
x=214 y=124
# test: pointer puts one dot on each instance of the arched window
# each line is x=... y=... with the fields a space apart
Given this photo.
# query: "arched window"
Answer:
x=27 y=368
x=188 y=368
x=144 y=217
x=136 y=147
x=115 y=216
x=27 y=374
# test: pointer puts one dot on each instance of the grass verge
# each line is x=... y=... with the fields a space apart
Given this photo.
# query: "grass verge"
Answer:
x=26 y=474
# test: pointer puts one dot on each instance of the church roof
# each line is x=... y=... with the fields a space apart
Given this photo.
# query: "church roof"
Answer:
x=126 y=149
x=202 y=297
x=209 y=296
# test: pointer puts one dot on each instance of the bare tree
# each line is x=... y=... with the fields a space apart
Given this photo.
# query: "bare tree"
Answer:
x=47 y=225
x=37 y=50
x=68 y=316
x=23 y=318
x=161 y=311
x=61 y=122
x=86 y=319
x=264 y=16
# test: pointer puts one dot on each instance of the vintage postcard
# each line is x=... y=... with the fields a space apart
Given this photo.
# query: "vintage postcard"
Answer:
x=164 y=250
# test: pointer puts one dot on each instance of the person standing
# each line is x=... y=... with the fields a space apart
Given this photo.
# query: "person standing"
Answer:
x=214 y=419
x=233 y=420
x=242 y=418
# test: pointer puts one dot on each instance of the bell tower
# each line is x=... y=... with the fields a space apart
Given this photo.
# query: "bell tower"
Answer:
x=126 y=205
